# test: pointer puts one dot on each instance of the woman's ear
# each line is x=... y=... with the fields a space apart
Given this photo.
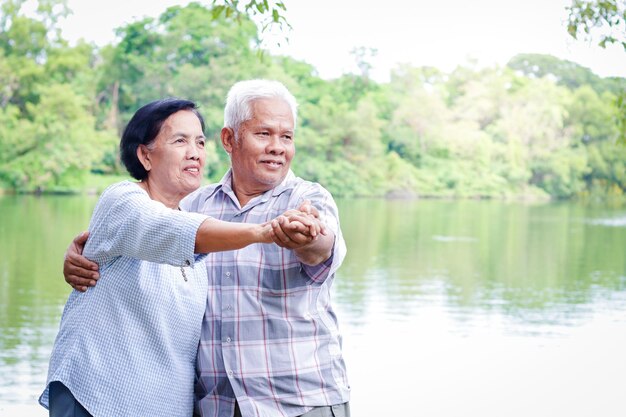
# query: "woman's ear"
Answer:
x=228 y=139
x=143 y=154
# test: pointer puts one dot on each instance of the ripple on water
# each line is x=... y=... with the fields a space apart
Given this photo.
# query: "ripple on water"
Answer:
x=449 y=239
x=610 y=222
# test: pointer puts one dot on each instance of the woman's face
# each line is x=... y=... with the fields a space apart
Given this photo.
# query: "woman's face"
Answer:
x=176 y=157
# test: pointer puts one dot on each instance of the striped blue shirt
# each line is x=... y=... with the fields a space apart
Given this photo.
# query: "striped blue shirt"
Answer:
x=127 y=347
x=270 y=338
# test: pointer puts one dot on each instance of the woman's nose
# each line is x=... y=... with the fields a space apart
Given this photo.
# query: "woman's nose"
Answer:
x=193 y=152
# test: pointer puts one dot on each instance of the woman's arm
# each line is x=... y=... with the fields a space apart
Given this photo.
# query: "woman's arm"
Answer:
x=217 y=235
x=212 y=236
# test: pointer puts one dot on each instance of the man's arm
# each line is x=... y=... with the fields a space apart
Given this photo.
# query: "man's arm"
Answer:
x=310 y=252
x=79 y=271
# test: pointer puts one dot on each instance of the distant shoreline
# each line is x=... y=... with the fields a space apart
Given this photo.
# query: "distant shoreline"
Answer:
x=98 y=183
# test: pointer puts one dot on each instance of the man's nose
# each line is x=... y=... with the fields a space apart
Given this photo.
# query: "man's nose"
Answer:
x=275 y=145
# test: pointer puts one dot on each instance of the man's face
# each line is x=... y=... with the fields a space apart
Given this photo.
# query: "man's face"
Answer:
x=262 y=153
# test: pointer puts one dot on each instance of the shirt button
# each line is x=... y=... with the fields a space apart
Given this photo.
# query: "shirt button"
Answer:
x=228 y=339
x=230 y=373
x=228 y=274
x=228 y=307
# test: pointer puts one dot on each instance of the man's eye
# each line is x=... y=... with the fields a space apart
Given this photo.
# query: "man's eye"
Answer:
x=201 y=143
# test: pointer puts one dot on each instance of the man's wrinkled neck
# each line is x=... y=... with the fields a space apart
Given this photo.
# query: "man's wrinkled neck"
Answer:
x=245 y=195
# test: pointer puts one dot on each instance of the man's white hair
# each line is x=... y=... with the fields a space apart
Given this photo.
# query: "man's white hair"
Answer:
x=238 y=109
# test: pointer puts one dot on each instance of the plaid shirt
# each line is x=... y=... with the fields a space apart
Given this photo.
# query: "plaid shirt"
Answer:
x=269 y=338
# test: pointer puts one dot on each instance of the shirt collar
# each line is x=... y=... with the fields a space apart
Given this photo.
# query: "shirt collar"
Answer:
x=226 y=186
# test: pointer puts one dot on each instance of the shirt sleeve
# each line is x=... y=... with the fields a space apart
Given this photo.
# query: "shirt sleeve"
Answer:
x=329 y=214
x=127 y=222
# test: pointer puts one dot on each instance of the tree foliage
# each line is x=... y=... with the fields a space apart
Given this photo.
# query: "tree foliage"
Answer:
x=604 y=20
x=271 y=12
x=539 y=127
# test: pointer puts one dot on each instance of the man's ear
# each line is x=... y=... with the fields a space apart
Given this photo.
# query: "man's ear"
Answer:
x=228 y=139
x=143 y=154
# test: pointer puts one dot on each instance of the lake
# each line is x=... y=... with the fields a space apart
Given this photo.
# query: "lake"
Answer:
x=447 y=308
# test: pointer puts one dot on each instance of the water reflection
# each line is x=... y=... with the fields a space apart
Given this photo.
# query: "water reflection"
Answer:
x=498 y=306
x=534 y=263
x=35 y=233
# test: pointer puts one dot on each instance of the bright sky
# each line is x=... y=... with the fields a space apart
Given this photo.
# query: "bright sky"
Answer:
x=440 y=34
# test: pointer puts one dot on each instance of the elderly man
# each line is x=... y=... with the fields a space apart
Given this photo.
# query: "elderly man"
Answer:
x=270 y=345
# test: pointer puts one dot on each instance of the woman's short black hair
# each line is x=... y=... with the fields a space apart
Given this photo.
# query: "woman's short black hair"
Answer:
x=144 y=127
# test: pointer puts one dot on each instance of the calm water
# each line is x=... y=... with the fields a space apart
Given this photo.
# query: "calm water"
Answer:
x=468 y=308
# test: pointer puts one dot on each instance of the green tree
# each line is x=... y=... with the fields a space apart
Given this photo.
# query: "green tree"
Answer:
x=271 y=12
x=49 y=140
x=607 y=170
x=55 y=150
x=25 y=43
x=601 y=19
x=420 y=113
x=567 y=73
x=591 y=116
x=540 y=142
x=148 y=61
x=604 y=20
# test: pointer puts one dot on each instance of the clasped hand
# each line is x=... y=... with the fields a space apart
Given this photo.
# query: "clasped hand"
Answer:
x=295 y=229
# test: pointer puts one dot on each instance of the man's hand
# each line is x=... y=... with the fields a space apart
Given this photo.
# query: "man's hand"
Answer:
x=303 y=232
x=79 y=271
x=292 y=232
x=311 y=210
x=295 y=229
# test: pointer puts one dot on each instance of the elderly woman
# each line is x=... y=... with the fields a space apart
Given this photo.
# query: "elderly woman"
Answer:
x=127 y=347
